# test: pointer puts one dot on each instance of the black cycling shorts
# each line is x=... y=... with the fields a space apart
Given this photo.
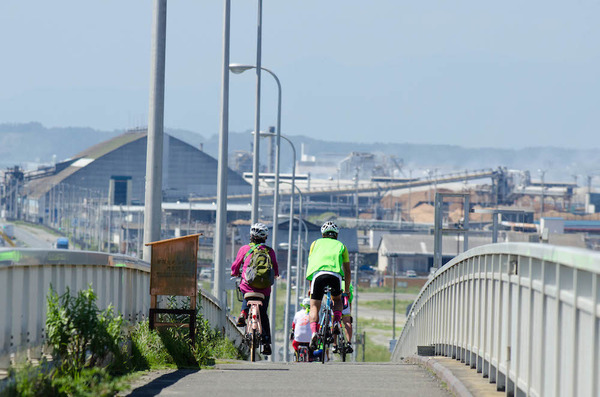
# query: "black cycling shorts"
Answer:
x=319 y=284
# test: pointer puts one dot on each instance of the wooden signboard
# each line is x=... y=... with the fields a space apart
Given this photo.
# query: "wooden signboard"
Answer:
x=173 y=272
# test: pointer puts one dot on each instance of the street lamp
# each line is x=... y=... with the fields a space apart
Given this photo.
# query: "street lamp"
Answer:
x=237 y=69
x=286 y=324
x=222 y=173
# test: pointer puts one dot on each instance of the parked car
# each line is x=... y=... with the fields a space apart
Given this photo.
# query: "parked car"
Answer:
x=9 y=230
x=411 y=273
x=366 y=269
x=206 y=273
x=62 y=243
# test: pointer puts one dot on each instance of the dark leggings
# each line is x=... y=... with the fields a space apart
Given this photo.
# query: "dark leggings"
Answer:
x=264 y=318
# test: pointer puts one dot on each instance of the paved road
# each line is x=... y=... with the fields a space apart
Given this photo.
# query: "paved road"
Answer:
x=32 y=237
x=269 y=379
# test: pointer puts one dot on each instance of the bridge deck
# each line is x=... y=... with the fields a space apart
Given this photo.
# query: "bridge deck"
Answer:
x=269 y=379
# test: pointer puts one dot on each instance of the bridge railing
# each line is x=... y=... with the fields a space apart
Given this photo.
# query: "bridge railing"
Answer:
x=526 y=316
x=25 y=279
x=210 y=309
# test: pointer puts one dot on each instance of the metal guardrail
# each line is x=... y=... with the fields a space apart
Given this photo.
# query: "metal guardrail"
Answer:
x=210 y=310
x=25 y=279
x=524 y=315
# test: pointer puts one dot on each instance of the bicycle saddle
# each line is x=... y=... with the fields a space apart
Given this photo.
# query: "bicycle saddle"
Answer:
x=256 y=295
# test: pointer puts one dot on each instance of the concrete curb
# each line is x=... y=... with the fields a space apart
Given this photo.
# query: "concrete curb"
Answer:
x=443 y=373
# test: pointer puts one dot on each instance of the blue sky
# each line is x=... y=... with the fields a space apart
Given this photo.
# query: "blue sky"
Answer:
x=475 y=74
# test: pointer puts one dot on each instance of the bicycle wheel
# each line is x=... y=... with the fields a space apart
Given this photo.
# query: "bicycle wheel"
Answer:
x=325 y=336
x=342 y=346
x=253 y=345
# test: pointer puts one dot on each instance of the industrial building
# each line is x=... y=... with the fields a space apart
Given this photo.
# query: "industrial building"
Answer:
x=116 y=170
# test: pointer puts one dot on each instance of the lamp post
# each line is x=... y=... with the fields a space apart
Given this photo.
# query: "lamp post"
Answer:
x=299 y=257
x=256 y=155
x=222 y=172
x=237 y=69
x=286 y=325
x=542 y=174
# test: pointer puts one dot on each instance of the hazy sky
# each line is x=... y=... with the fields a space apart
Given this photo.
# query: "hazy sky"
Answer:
x=471 y=73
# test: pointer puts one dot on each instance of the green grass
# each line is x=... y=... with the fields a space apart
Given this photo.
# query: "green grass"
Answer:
x=38 y=226
x=375 y=353
x=399 y=290
x=377 y=324
x=401 y=305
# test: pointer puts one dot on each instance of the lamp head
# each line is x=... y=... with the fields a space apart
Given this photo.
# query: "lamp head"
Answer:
x=264 y=133
x=238 y=68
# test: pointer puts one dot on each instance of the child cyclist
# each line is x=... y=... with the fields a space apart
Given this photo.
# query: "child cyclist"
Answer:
x=258 y=235
x=301 y=332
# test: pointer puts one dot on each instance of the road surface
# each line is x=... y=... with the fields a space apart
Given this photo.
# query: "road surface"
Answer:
x=294 y=379
x=32 y=237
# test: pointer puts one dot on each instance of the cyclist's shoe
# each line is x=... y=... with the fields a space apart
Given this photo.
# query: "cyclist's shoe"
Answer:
x=241 y=321
x=314 y=342
x=266 y=349
x=349 y=348
x=335 y=349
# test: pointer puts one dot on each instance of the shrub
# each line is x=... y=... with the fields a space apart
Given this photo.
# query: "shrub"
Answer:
x=80 y=334
x=82 y=337
x=172 y=346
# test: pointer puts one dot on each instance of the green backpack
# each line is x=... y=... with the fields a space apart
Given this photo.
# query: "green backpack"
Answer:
x=259 y=272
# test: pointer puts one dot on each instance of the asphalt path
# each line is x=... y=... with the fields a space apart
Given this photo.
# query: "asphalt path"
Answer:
x=294 y=379
x=32 y=237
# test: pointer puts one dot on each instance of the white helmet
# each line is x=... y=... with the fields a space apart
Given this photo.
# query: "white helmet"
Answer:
x=305 y=303
x=329 y=227
x=259 y=230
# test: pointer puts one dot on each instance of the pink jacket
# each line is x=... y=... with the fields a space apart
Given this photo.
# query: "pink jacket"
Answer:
x=238 y=268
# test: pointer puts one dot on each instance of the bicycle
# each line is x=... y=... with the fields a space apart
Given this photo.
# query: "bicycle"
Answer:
x=325 y=334
x=342 y=343
x=303 y=354
x=253 y=330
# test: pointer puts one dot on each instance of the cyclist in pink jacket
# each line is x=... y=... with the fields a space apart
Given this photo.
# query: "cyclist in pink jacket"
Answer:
x=258 y=235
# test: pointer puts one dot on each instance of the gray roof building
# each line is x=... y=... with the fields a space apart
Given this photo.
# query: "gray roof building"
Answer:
x=415 y=251
x=116 y=169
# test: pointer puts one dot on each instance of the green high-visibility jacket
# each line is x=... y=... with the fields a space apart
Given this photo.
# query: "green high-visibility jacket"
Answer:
x=326 y=254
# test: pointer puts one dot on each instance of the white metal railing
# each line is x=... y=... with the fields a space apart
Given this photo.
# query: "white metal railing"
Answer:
x=210 y=309
x=524 y=315
x=25 y=279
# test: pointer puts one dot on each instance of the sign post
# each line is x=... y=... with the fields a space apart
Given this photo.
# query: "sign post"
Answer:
x=173 y=272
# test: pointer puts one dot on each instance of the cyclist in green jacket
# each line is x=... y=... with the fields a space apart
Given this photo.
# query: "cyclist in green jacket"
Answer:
x=328 y=265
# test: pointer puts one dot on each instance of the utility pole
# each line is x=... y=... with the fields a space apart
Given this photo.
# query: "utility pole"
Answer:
x=355 y=307
x=356 y=194
x=543 y=172
x=394 y=304
x=154 y=151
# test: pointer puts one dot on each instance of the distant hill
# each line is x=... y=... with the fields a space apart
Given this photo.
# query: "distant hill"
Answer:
x=34 y=143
